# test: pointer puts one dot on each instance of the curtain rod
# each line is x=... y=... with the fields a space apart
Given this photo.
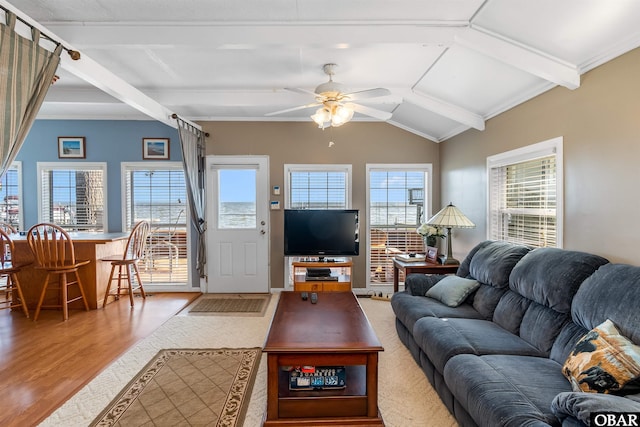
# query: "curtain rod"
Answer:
x=175 y=116
x=74 y=54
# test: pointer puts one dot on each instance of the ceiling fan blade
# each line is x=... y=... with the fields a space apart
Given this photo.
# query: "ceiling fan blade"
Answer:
x=371 y=112
x=288 y=110
x=367 y=94
x=300 y=90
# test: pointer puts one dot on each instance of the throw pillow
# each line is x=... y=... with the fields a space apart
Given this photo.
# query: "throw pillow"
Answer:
x=452 y=290
x=603 y=361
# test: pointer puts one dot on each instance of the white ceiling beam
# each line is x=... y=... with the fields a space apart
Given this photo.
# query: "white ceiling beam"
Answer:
x=522 y=57
x=225 y=98
x=103 y=79
x=445 y=109
x=247 y=36
x=95 y=74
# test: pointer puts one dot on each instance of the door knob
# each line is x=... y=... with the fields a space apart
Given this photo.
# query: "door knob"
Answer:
x=262 y=231
x=262 y=223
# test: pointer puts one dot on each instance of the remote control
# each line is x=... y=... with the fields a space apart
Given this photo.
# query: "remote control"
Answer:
x=314 y=298
x=304 y=296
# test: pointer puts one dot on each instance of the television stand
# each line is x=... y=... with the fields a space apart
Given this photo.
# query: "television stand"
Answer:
x=338 y=278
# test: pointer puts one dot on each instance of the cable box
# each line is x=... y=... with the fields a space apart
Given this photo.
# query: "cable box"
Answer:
x=321 y=278
x=318 y=272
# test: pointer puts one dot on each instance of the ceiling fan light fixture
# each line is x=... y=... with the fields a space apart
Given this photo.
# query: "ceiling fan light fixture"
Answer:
x=341 y=115
x=321 y=116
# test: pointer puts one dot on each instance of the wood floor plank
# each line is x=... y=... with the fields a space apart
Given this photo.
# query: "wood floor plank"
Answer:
x=46 y=362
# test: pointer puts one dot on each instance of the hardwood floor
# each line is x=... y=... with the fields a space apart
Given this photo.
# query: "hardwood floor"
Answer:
x=46 y=362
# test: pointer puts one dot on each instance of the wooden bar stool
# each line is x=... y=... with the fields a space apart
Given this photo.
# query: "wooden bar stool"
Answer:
x=54 y=253
x=10 y=285
x=129 y=260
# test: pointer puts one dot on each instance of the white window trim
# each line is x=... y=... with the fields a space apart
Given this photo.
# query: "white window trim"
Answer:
x=289 y=168
x=373 y=167
x=102 y=166
x=532 y=152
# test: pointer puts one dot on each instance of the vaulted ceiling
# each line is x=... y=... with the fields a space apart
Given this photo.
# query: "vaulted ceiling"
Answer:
x=450 y=65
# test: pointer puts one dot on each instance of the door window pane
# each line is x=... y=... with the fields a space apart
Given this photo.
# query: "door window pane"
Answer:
x=237 y=203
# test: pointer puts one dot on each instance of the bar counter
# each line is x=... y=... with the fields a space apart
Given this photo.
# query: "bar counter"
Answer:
x=94 y=276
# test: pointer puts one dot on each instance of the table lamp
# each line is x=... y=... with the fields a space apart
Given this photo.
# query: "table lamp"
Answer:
x=450 y=217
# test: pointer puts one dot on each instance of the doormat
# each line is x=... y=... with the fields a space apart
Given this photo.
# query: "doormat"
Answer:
x=190 y=387
x=231 y=304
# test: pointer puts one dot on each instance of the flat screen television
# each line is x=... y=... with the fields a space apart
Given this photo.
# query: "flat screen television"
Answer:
x=321 y=232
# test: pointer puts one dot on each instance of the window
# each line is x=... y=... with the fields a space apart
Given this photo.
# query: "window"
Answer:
x=158 y=193
x=72 y=195
x=318 y=186
x=399 y=198
x=11 y=196
x=525 y=195
x=315 y=187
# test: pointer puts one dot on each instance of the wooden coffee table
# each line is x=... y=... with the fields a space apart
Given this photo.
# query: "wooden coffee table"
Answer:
x=332 y=332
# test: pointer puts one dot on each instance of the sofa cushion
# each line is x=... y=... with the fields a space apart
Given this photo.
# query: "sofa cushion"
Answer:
x=419 y=284
x=551 y=276
x=463 y=270
x=492 y=263
x=569 y=405
x=612 y=292
x=441 y=339
x=604 y=361
x=505 y=390
x=541 y=288
x=452 y=290
x=408 y=309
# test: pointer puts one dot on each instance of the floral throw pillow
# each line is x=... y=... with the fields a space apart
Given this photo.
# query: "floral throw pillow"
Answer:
x=603 y=361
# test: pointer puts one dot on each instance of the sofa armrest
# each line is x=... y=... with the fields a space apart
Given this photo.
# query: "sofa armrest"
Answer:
x=572 y=406
x=419 y=284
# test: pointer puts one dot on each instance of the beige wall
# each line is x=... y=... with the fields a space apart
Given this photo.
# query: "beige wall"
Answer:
x=302 y=142
x=600 y=123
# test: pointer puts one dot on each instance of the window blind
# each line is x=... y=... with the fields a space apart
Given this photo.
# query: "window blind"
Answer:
x=73 y=197
x=318 y=190
x=396 y=209
x=158 y=195
x=523 y=202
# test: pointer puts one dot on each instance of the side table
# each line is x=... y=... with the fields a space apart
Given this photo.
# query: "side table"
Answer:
x=420 y=267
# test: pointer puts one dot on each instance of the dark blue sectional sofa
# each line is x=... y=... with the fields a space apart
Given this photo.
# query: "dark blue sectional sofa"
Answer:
x=497 y=358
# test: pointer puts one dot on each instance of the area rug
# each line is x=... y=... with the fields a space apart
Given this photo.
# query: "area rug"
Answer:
x=187 y=387
x=226 y=304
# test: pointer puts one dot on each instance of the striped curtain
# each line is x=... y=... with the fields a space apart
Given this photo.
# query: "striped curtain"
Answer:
x=192 y=143
x=26 y=73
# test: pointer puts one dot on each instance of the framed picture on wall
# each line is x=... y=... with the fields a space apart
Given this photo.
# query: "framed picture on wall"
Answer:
x=71 y=147
x=155 y=148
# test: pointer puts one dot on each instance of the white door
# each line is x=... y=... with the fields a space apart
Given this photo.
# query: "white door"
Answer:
x=238 y=224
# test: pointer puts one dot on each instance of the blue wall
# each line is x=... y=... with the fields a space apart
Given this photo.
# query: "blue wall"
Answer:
x=112 y=142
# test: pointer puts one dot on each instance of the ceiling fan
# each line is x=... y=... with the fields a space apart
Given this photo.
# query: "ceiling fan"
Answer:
x=336 y=106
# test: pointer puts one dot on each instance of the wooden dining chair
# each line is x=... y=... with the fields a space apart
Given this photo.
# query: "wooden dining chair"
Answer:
x=53 y=250
x=9 y=284
x=8 y=228
x=133 y=253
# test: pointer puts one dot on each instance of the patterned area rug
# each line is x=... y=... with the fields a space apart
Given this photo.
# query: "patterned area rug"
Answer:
x=255 y=304
x=187 y=387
